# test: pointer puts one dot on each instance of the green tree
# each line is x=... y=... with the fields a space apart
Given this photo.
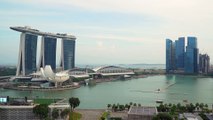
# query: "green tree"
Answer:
x=74 y=102
x=190 y=107
x=41 y=110
x=201 y=106
x=121 y=107
x=197 y=106
x=126 y=106
x=109 y=105
x=162 y=116
x=206 y=106
x=55 y=113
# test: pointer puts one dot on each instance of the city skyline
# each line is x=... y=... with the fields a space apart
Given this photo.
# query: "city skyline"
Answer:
x=109 y=32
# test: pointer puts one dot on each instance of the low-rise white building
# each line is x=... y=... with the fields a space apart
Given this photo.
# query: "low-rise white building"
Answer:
x=142 y=113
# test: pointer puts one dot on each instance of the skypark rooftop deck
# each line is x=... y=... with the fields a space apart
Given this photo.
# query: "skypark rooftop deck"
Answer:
x=37 y=32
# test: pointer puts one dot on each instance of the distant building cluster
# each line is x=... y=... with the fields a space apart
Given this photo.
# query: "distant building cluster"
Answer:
x=181 y=59
x=27 y=63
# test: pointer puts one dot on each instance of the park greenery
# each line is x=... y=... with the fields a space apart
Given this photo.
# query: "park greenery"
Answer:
x=64 y=113
x=41 y=111
x=166 y=111
x=178 y=108
x=175 y=109
x=74 y=102
x=75 y=116
x=163 y=116
x=104 y=116
x=55 y=113
x=45 y=101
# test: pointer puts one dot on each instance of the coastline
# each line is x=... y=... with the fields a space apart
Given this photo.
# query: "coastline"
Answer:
x=97 y=81
x=40 y=89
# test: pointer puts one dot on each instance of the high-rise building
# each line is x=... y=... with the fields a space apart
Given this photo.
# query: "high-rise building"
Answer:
x=204 y=63
x=179 y=53
x=28 y=50
x=169 y=55
x=191 y=56
x=68 y=53
x=48 y=52
x=27 y=54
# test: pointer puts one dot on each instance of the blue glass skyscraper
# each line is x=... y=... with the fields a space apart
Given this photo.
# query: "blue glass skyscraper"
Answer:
x=191 y=56
x=48 y=52
x=27 y=54
x=179 y=53
x=169 y=55
x=68 y=53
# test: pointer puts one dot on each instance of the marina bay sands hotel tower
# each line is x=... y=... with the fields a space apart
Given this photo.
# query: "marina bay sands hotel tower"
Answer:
x=28 y=50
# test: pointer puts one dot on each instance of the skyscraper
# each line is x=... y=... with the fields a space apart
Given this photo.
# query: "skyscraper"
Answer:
x=68 y=53
x=27 y=54
x=179 y=53
x=28 y=48
x=169 y=55
x=204 y=63
x=48 y=52
x=191 y=56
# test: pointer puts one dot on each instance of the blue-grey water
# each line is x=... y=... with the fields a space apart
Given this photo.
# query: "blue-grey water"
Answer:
x=173 y=89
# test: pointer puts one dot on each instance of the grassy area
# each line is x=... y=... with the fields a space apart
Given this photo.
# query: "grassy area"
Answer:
x=104 y=115
x=45 y=101
x=75 y=116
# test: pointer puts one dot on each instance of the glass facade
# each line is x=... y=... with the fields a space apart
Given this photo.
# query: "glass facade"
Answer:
x=30 y=53
x=169 y=45
x=68 y=53
x=191 y=56
x=179 y=53
x=50 y=52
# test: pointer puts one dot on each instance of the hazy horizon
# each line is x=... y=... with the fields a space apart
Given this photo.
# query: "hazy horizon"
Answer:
x=108 y=31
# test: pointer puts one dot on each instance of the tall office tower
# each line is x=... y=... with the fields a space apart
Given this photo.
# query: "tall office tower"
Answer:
x=179 y=53
x=48 y=52
x=204 y=63
x=68 y=53
x=170 y=61
x=191 y=56
x=27 y=54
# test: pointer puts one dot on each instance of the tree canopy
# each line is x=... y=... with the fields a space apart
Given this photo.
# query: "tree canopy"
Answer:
x=74 y=102
x=41 y=110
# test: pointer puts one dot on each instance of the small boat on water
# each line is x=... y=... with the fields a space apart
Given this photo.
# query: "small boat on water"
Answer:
x=159 y=101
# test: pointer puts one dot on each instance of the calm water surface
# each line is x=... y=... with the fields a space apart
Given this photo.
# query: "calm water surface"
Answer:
x=174 y=89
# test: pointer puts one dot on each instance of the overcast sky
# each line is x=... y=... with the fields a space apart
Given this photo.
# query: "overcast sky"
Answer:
x=109 y=31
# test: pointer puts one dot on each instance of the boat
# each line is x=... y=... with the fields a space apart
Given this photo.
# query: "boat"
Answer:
x=159 y=101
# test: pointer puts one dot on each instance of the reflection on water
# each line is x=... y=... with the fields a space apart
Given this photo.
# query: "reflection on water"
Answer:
x=146 y=91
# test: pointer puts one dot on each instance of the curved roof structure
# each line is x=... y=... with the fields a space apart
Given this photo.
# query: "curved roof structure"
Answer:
x=113 y=70
x=37 y=32
x=88 y=70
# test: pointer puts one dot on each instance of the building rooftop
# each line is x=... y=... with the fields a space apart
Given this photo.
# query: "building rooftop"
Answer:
x=143 y=110
x=190 y=116
x=37 y=32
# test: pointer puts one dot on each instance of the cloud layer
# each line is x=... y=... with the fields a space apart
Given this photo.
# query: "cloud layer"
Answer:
x=119 y=31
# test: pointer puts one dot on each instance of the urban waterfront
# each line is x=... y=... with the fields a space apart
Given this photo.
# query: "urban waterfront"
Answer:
x=173 y=89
